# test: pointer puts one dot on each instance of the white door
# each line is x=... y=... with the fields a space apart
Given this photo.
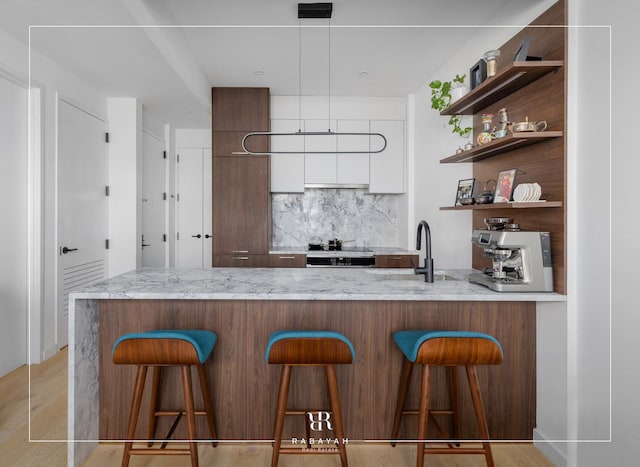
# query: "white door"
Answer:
x=194 y=208
x=207 y=198
x=82 y=205
x=154 y=173
x=13 y=234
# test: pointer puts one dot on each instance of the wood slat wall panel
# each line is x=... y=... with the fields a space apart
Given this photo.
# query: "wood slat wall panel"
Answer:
x=545 y=163
x=244 y=386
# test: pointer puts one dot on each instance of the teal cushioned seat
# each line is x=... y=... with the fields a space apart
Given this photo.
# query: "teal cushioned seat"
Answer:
x=202 y=341
x=410 y=341
x=279 y=335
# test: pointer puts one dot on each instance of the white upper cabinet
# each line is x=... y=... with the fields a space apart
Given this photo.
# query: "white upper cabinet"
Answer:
x=287 y=170
x=387 y=168
x=383 y=172
x=320 y=168
x=353 y=169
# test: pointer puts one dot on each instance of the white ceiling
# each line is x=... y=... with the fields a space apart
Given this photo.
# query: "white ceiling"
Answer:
x=171 y=69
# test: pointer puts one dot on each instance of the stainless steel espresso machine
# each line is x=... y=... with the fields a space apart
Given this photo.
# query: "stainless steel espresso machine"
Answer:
x=521 y=261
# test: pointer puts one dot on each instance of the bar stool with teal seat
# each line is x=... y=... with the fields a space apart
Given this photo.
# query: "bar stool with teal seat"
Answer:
x=450 y=349
x=157 y=349
x=308 y=348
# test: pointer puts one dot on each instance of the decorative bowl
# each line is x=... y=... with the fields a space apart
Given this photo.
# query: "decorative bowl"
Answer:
x=484 y=198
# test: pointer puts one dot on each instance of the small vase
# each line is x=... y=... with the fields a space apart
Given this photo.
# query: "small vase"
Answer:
x=457 y=93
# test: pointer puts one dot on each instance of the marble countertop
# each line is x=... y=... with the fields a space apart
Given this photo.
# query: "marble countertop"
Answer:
x=297 y=284
x=375 y=250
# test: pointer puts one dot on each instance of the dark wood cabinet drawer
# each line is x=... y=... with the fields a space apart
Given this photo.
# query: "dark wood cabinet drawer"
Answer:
x=396 y=261
x=240 y=261
x=287 y=261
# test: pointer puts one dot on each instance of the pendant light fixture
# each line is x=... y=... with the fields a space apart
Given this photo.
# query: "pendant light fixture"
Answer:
x=312 y=10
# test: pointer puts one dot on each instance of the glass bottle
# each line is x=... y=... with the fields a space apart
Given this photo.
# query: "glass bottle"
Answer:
x=491 y=57
x=485 y=136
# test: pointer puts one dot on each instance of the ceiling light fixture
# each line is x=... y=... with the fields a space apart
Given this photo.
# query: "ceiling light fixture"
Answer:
x=313 y=10
x=259 y=72
x=364 y=73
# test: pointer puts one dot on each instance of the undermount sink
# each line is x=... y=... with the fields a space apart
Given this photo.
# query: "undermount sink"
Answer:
x=415 y=277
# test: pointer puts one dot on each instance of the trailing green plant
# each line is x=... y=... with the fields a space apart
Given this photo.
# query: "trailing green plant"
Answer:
x=441 y=99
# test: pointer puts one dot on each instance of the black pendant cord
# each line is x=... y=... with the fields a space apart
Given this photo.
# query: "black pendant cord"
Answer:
x=299 y=76
x=329 y=67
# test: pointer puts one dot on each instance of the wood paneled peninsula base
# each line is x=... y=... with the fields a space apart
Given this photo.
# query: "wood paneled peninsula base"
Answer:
x=244 y=309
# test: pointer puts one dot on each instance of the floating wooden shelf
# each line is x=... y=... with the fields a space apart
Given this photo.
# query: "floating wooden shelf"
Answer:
x=511 y=205
x=501 y=145
x=509 y=80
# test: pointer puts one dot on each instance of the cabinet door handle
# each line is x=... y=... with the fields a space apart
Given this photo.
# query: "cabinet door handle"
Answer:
x=287 y=257
x=66 y=250
x=197 y=236
x=241 y=258
x=239 y=251
x=396 y=258
x=207 y=236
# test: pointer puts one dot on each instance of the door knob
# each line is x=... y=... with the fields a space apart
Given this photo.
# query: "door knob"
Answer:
x=66 y=250
x=208 y=236
x=197 y=236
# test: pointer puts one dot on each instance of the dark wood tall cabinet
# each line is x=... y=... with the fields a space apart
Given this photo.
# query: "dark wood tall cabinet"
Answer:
x=241 y=194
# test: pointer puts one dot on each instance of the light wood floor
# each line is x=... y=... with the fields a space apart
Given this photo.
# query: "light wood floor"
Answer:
x=49 y=422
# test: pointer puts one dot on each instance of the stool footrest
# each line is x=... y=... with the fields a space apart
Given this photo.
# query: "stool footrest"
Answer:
x=304 y=411
x=431 y=412
x=156 y=451
x=455 y=451
x=173 y=413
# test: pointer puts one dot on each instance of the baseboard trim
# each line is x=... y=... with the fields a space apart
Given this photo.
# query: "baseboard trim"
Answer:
x=549 y=449
x=49 y=352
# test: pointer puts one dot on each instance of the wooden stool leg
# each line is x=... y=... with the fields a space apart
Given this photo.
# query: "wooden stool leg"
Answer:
x=403 y=388
x=191 y=416
x=338 y=428
x=423 y=414
x=133 y=414
x=283 y=395
x=472 y=376
x=307 y=427
x=453 y=388
x=208 y=406
x=153 y=406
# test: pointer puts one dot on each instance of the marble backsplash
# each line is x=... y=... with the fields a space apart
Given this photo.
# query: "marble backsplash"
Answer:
x=318 y=215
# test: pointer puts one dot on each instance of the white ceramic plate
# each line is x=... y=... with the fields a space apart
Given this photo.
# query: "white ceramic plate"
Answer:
x=520 y=192
x=537 y=192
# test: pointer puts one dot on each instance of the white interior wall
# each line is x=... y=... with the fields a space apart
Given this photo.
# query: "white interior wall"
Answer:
x=52 y=80
x=434 y=183
x=13 y=235
x=606 y=237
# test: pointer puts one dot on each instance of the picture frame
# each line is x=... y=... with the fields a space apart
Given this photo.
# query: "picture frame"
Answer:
x=477 y=73
x=523 y=50
x=504 y=186
x=465 y=190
